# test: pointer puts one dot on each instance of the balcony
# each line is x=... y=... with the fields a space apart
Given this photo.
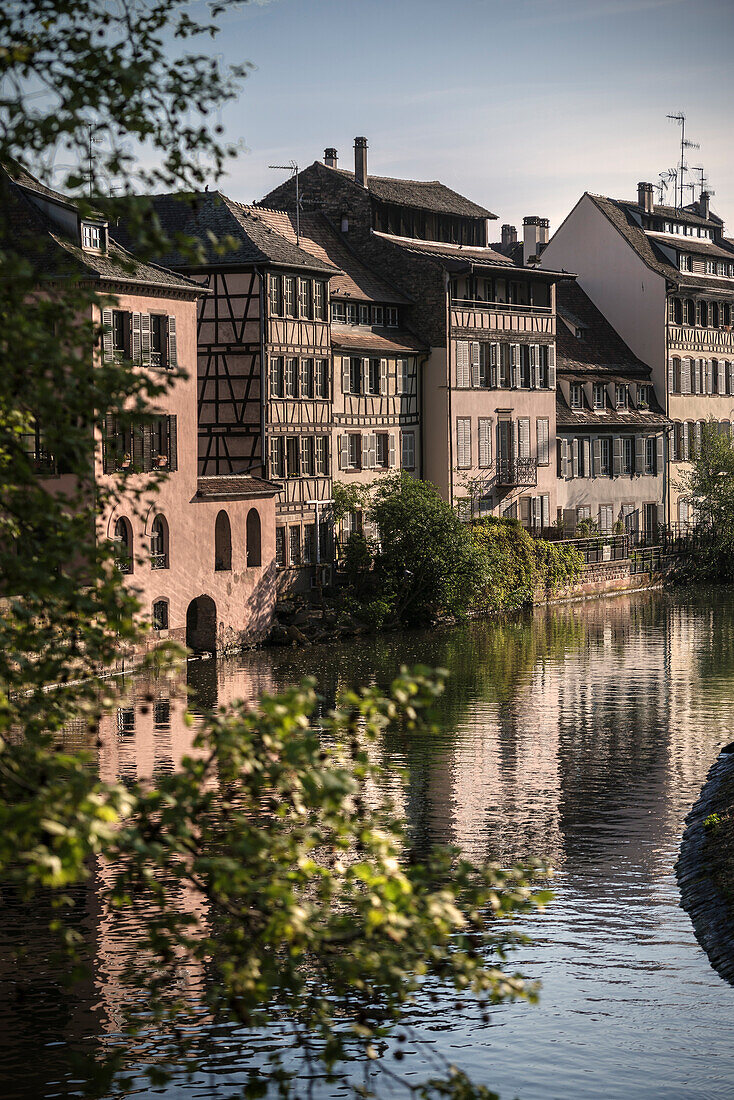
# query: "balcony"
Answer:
x=517 y=472
x=502 y=317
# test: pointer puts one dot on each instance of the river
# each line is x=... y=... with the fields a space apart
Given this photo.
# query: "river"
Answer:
x=582 y=733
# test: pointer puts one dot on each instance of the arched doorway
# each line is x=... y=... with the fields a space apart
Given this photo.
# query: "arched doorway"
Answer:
x=201 y=625
x=254 y=552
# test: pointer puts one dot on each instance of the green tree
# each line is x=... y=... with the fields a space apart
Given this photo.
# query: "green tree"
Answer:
x=311 y=904
x=709 y=485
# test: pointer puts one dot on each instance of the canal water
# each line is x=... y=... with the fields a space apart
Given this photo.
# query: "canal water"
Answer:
x=582 y=733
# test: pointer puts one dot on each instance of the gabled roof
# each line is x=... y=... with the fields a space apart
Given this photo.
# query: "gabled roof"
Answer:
x=319 y=238
x=387 y=341
x=459 y=257
x=204 y=215
x=54 y=255
x=600 y=350
x=431 y=195
x=568 y=419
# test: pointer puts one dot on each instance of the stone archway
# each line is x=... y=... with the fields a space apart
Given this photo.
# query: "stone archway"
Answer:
x=201 y=625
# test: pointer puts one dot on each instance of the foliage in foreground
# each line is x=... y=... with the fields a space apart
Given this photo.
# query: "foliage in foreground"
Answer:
x=709 y=486
x=429 y=564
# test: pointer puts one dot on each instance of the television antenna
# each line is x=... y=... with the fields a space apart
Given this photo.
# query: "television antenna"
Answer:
x=703 y=182
x=680 y=118
x=293 y=169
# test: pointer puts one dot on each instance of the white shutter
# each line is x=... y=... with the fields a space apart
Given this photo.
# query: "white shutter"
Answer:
x=145 y=340
x=346 y=365
x=534 y=366
x=617 y=467
x=462 y=363
x=671 y=375
x=515 y=364
x=686 y=448
x=475 y=364
x=551 y=366
x=494 y=359
x=685 y=376
x=391 y=450
x=344 y=452
x=485 y=443
x=545 y=510
x=135 y=337
x=365 y=450
x=108 y=351
x=710 y=376
x=639 y=454
x=587 y=457
x=383 y=376
x=523 y=438
x=596 y=451
x=172 y=345
x=565 y=463
x=575 y=457
x=721 y=377
x=365 y=376
x=659 y=455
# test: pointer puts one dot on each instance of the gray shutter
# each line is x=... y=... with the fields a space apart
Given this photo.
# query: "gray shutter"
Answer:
x=135 y=338
x=172 y=348
x=731 y=376
x=391 y=450
x=659 y=456
x=685 y=449
x=475 y=364
x=172 y=443
x=343 y=452
x=721 y=378
x=365 y=450
x=148 y=431
x=371 y=451
x=383 y=376
x=345 y=373
x=494 y=360
x=515 y=360
x=551 y=366
x=533 y=366
x=685 y=376
x=108 y=352
x=575 y=457
x=462 y=363
x=145 y=341
x=137 y=432
x=545 y=510
x=709 y=376
x=617 y=467
x=596 y=462
x=365 y=376
x=671 y=376
x=109 y=443
x=587 y=457
x=639 y=454
x=699 y=434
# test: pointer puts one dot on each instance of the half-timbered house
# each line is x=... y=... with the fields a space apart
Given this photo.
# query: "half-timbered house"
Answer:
x=199 y=551
x=488 y=383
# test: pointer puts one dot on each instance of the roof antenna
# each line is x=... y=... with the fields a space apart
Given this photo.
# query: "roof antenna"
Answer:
x=292 y=167
x=680 y=118
x=703 y=182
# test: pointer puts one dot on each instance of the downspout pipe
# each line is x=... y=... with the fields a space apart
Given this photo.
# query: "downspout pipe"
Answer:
x=449 y=410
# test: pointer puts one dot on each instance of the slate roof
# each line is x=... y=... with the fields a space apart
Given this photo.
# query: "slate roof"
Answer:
x=54 y=256
x=318 y=237
x=234 y=487
x=385 y=340
x=431 y=195
x=204 y=214
x=600 y=352
x=28 y=182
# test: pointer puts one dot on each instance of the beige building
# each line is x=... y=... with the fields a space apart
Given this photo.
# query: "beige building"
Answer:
x=664 y=278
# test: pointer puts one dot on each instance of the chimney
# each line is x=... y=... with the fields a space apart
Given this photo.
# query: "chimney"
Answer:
x=509 y=235
x=330 y=158
x=360 y=160
x=645 y=197
x=531 y=229
x=704 y=204
x=543 y=233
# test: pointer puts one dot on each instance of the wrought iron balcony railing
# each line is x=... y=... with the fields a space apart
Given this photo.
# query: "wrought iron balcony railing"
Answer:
x=517 y=471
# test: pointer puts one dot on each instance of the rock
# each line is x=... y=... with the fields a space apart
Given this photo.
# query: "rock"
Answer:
x=297 y=635
x=278 y=634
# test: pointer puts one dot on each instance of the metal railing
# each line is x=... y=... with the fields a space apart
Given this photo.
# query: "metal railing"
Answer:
x=517 y=471
x=500 y=307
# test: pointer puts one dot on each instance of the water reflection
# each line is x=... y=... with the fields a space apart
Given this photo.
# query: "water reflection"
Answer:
x=581 y=733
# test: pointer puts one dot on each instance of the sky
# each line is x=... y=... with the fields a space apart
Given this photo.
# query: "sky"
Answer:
x=521 y=105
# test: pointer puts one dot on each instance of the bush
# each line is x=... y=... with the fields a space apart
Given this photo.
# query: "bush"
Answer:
x=515 y=565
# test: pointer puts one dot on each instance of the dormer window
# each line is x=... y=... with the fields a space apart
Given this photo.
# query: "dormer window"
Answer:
x=93 y=236
x=392 y=316
x=686 y=262
x=621 y=397
x=643 y=397
x=576 y=395
x=600 y=397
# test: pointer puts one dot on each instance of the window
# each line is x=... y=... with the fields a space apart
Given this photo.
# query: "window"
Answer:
x=621 y=397
x=292 y=456
x=504 y=367
x=160 y=615
x=321 y=378
x=304 y=298
x=352 y=313
x=307 y=456
x=280 y=546
x=606 y=518
x=542 y=431
x=294 y=545
x=391 y=316
x=373 y=376
x=401 y=375
x=276 y=295
x=463 y=442
x=36 y=451
x=140 y=447
x=289 y=296
x=377 y=315
x=291 y=377
x=407 y=456
x=710 y=267
x=650 y=446
x=628 y=454
x=160 y=444
x=307 y=378
x=463 y=364
x=338 y=312
x=322 y=455
x=277 y=383
x=309 y=543
x=703 y=314
x=675 y=311
x=524 y=372
x=354 y=451
x=355 y=375
x=485 y=442
x=364 y=315
x=277 y=456
x=605 y=457
x=120 y=334
x=689 y=311
x=643 y=397
x=158 y=340
x=382 y=449
x=253 y=534
x=319 y=301
x=222 y=544
x=124 y=549
x=542 y=377
x=715 y=315
x=159 y=544
x=523 y=437
x=577 y=398
x=685 y=262
x=600 y=397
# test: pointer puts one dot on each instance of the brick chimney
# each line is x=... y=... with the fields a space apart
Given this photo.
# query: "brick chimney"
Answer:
x=532 y=229
x=704 y=204
x=330 y=157
x=509 y=235
x=360 y=160
x=645 y=196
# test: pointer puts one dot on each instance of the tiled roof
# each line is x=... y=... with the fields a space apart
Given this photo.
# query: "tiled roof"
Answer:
x=234 y=487
x=600 y=350
x=513 y=252
x=204 y=214
x=455 y=253
x=694 y=245
x=612 y=420
x=318 y=237
x=53 y=255
x=390 y=341
x=24 y=179
x=429 y=195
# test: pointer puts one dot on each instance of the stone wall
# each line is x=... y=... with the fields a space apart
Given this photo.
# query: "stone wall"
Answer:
x=599 y=580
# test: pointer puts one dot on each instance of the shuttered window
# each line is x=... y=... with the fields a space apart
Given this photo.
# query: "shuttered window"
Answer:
x=307 y=378
x=463 y=442
x=140 y=448
x=277 y=457
x=542 y=431
x=407 y=457
x=485 y=442
x=321 y=378
x=523 y=438
x=463 y=371
x=322 y=455
x=277 y=384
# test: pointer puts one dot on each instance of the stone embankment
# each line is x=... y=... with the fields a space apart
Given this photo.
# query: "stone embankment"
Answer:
x=705 y=867
x=296 y=622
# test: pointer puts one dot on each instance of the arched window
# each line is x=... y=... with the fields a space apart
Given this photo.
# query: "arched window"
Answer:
x=676 y=311
x=159 y=544
x=160 y=615
x=222 y=543
x=675 y=381
x=254 y=553
x=703 y=314
x=124 y=548
x=715 y=314
x=690 y=311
